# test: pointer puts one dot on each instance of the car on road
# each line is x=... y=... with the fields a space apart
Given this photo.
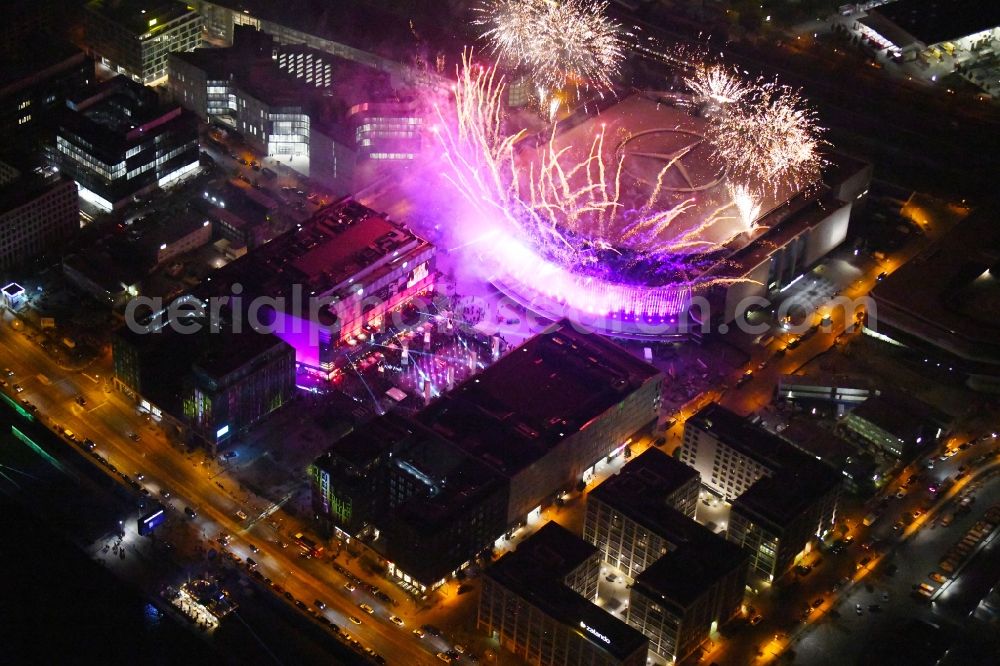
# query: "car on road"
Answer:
x=443 y=657
x=80 y=400
x=134 y=436
x=241 y=515
x=289 y=596
x=68 y=434
x=863 y=562
x=857 y=609
x=319 y=604
x=349 y=586
x=89 y=444
x=189 y=512
x=432 y=630
x=7 y=372
x=353 y=619
x=937 y=577
x=802 y=570
x=253 y=548
x=755 y=620
x=18 y=388
x=817 y=602
x=901 y=493
x=899 y=524
x=396 y=620
x=366 y=608
x=885 y=596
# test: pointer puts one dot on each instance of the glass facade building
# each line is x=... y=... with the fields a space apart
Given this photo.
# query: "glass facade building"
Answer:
x=134 y=38
x=116 y=140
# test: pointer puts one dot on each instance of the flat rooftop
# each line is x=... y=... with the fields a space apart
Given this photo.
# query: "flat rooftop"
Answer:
x=935 y=21
x=140 y=16
x=747 y=438
x=949 y=295
x=900 y=414
x=643 y=484
x=352 y=454
x=329 y=251
x=640 y=130
x=783 y=496
x=684 y=574
x=535 y=572
x=552 y=386
x=366 y=26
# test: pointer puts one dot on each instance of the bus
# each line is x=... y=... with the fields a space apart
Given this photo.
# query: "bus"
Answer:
x=308 y=546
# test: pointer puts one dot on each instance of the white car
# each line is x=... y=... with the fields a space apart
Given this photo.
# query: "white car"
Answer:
x=396 y=620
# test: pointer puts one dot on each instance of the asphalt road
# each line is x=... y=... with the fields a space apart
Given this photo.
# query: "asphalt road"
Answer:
x=108 y=418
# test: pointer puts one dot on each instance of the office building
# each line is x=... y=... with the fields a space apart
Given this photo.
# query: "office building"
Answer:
x=37 y=215
x=134 y=38
x=730 y=452
x=896 y=424
x=116 y=141
x=687 y=581
x=239 y=213
x=483 y=459
x=536 y=601
x=777 y=519
x=357 y=30
x=335 y=279
x=416 y=500
x=37 y=80
x=630 y=536
x=446 y=509
x=116 y=266
x=548 y=412
x=350 y=481
x=211 y=386
x=682 y=599
x=323 y=112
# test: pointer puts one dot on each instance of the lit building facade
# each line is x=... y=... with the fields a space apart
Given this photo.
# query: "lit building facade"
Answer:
x=536 y=601
x=686 y=580
x=686 y=595
x=337 y=279
x=628 y=540
x=779 y=517
x=728 y=451
x=548 y=412
x=134 y=38
x=116 y=140
x=210 y=386
x=37 y=83
x=36 y=215
x=237 y=382
x=294 y=100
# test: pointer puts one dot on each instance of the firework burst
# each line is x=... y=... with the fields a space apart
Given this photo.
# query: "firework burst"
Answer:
x=568 y=203
x=769 y=140
x=717 y=85
x=558 y=42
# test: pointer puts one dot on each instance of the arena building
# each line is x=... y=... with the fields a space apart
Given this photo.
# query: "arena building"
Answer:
x=641 y=283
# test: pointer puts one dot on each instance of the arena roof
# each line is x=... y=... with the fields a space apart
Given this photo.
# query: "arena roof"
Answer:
x=643 y=131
